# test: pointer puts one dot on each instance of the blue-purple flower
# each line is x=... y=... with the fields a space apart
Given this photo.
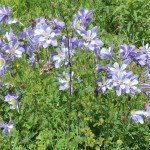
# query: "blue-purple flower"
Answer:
x=33 y=60
x=10 y=36
x=137 y=116
x=103 y=85
x=118 y=77
x=125 y=51
x=13 y=101
x=41 y=20
x=146 y=50
x=148 y=111
x=126 y=82
x=72 y=43
x=100 y=68
x=31 y=46
x=130 y=52
x=118 y=82
x=64 y=80
x=85 y=16
x=131 y=83
x=77 y=25
x=90 y=40
x=14 y=49
x=63 y=52
x=147 y=94
x=59 y=56
x=3 y=66
x=14 y=21
x=4 y=14
x=56 y=24
x=140 y=115
x=7 y=128
x=2 y=44
x=44 y=35
x=81 y=19
x=107 y=53
x=116 y=68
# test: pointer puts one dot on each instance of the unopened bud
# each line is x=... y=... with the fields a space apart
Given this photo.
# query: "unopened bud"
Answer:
x=143 y=80
x=123 y=118
x=144 y=104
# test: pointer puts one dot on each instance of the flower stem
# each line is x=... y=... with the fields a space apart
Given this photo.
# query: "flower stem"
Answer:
x=70 y=67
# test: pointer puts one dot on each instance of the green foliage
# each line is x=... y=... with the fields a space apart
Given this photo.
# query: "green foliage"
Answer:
x=95 y=122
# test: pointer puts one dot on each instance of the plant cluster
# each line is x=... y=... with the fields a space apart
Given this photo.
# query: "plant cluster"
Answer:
x=62 y=52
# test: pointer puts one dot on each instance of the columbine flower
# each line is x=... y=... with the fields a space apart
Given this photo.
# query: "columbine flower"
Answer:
x=4 y=14
x=146 y=50
x=126 y=82
x=91 y=42
x=3 y=65
x=103 y=85
x=2 y=43
x=139 y=57
x=148 y=111
x=13 y=46
x=7 y=128
x=15 y=20
x=64 y=80
x=131 y=84
x=62 y=53
x=72 y=44
x=59 y=56
x=107 y=53
x=125 y=51
x=45 y=36
x=31 y=45
x=136 y=116
x=116 y=68
x=147 y=72
x=77 y=24
x=147 y=94
x=10 y=36
x=130 y=52
x=100 y=68
x=118 y=82
x=56 y=25
x=14 y=49
x=33 y=61
x=13 y=101
x=85 y=15
x=41 y=20
x=123 y=80
x=145 y=89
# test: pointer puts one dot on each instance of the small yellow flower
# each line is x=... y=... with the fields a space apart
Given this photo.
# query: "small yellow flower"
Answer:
x=17 y=65
x=119 y=142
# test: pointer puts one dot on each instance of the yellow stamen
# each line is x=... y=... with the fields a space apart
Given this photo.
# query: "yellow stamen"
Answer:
x=2 y=62
x=78 y=26
x=13 y=50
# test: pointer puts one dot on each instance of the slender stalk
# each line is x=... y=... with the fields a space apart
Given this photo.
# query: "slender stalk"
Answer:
x=10 y=143
x=70 y=66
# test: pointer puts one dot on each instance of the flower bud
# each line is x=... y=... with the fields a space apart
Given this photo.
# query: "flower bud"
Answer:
x=123 y=118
